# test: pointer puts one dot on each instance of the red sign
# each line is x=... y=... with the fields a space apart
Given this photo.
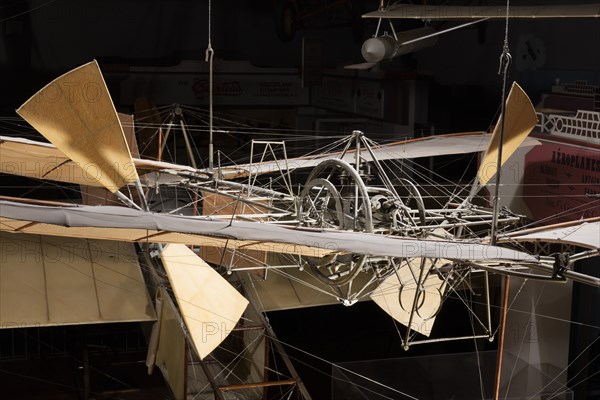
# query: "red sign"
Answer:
x=562 y=182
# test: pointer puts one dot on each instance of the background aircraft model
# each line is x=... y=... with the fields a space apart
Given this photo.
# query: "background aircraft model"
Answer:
x=386 y=45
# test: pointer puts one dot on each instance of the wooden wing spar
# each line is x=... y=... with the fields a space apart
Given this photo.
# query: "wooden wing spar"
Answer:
x=451 y=12
x=118 y=223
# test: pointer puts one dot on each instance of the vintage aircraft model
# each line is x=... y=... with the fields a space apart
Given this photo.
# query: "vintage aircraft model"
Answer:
x=387 y=45
x=356 y=230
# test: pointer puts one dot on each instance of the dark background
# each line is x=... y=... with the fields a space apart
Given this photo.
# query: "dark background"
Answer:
x=40 y=40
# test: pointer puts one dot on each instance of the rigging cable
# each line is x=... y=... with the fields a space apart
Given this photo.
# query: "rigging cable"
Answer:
x=342 y=368
x=505 y=59
x=477 y=353
x=529 y=326
x=563 y=370
x=210 y=53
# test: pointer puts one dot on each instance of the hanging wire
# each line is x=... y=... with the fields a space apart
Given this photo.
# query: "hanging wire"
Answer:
x=505 y=59
x=210 y=53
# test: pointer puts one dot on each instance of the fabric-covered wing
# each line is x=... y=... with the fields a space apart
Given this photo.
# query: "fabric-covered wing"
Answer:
x=584 y=233
x=406 y=11
x=48 y=281
x=40 y=160
x=119 y=223
x=458 y=143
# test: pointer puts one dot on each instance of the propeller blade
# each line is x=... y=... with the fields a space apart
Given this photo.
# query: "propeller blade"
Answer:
x=168 y=346
x=76 y=114
x=209 y=305
x=396 y=295
x=520 y=121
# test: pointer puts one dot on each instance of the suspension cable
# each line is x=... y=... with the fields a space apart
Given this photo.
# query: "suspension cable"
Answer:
x=505 y=59
x=209 y=56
